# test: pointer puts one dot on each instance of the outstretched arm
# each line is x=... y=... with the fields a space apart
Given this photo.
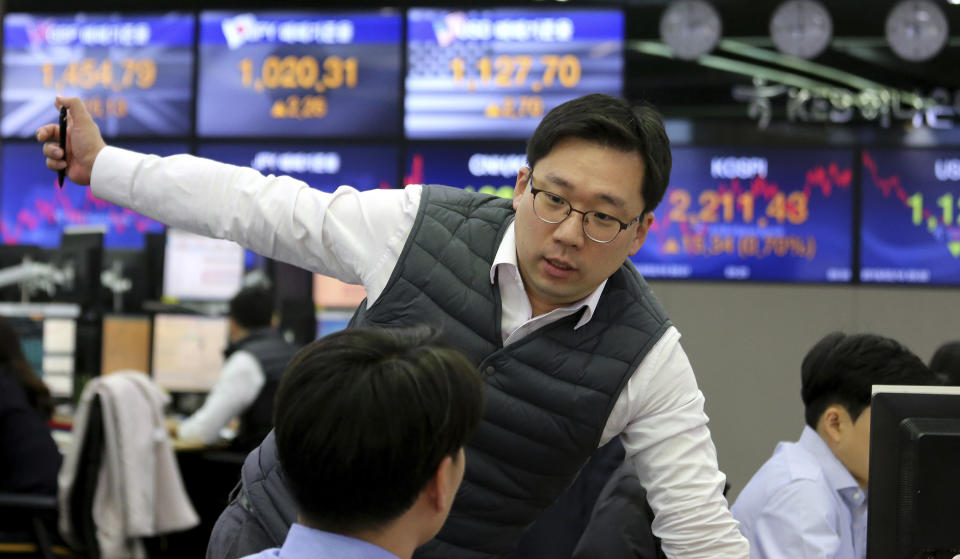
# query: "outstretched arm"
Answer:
x=84 y=142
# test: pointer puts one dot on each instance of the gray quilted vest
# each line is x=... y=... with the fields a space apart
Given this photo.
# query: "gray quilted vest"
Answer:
x=548 y=395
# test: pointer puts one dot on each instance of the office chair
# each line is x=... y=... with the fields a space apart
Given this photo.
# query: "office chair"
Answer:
x=28 y=526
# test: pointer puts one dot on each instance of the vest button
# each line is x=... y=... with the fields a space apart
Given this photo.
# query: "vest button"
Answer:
x=489 y=371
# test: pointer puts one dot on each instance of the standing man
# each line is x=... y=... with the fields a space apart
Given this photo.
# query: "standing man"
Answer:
x=809 y=501
x=249 y=377
x=571 y=343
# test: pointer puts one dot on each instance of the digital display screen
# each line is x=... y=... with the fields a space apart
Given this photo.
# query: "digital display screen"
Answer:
x=494 y=73
x=299 y=74
x=188 y=351
x=134 y=73
x=199 y=268
x=490 y=168
x=753 y=214
x=322 y=166
x=34 y=211
x=910 y=224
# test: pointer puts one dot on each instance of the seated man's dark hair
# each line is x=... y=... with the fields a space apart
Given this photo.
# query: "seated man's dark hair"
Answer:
x=252 y=307
x=612 y=122
x=946 y=363
x=841 y=369
x=363 y=419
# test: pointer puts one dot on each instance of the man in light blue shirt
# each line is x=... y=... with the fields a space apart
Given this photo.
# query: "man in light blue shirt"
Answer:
x=809 y=500
x=370 y=428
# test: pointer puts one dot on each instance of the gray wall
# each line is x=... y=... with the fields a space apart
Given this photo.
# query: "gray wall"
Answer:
x=746 y=343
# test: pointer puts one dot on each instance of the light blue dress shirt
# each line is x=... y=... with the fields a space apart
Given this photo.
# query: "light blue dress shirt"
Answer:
x=308 y=543
x=803 y=503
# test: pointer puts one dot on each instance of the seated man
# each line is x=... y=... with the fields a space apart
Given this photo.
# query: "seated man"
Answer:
x=809 y=500
x=370 y=429
x=946 y=363
x=248 y=380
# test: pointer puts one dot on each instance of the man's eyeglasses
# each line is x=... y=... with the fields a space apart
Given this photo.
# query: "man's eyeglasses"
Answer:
x=597 y=226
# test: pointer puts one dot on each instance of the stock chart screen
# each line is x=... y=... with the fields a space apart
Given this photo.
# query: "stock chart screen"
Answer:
x=134 y=73
x=753 y=214
x=323 y=166
x=490 y=168
x=494 y=73
x=35 y=212
x=306 y=74
x=910 y=216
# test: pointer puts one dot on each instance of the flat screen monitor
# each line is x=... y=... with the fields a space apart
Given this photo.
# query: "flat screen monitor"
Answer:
x=198 y=268
x=493 y=73
x=760 y=214
x=299 y=74
x=910 y=225
x=913 y=485
x=187 y=351
x=35 y=212
x=331 y=293
x=330 y=321
x=489 y=167
x=133 y=72
x=324 y=166
x=48 y=337
x=125 y=343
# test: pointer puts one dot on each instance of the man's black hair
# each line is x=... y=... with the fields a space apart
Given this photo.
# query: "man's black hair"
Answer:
x=363 y=419
x=946 y=363
x=252 y=307
x=841 y=369
x=612 y=122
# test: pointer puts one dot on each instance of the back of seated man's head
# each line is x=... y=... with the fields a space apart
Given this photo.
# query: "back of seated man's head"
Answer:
x=252 y=308
x=946 y=363
x=370 y=428
x=837 y=376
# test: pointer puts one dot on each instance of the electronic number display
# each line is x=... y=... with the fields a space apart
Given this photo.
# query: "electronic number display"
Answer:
x=910 y=224
x=490 y=168
x=494 y=73
x=753 y=214
x=322 y=166
x=306 y=74
x=35 y=212
x=134 y=73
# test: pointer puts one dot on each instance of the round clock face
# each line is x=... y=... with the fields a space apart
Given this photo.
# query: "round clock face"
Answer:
x=917 y=30
x=801 y=28
x=691 y=28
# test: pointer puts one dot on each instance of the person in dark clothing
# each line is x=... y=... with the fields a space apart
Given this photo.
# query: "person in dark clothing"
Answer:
x=29 y=459
x=946 y=363
x=248 y=380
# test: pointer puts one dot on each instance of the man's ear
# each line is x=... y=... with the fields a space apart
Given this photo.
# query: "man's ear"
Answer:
x=640 y=236
x=523 y=178
x=831 y=424
x=438 y=486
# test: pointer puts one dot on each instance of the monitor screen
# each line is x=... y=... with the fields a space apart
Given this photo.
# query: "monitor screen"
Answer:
x=299 y=74
x=198 y=268
x=323 y=166
x=913 y=483
x=35 y=212
x=753 y=214
x=133 y=72
x=331 y=293
x=125 y=344
x=490 y=168
x=330 y=321
x=493 y=73
x=188 y=351
x=48 y=337
x=910 y=225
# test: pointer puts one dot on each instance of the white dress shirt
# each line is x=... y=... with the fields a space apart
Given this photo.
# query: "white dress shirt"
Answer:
x=238 y=385
x=357 y=237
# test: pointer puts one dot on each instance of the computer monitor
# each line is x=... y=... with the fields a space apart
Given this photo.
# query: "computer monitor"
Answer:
x=48 y=337
x=187 y=351
x=126 y=343
x=914 y=487
x=82 y=251
x=197 y=268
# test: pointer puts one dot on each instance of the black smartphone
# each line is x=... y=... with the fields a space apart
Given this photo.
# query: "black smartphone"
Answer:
x=63 y=144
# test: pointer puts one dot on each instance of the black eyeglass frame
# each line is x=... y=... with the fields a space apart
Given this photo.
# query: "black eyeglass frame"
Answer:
x=570 y=209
